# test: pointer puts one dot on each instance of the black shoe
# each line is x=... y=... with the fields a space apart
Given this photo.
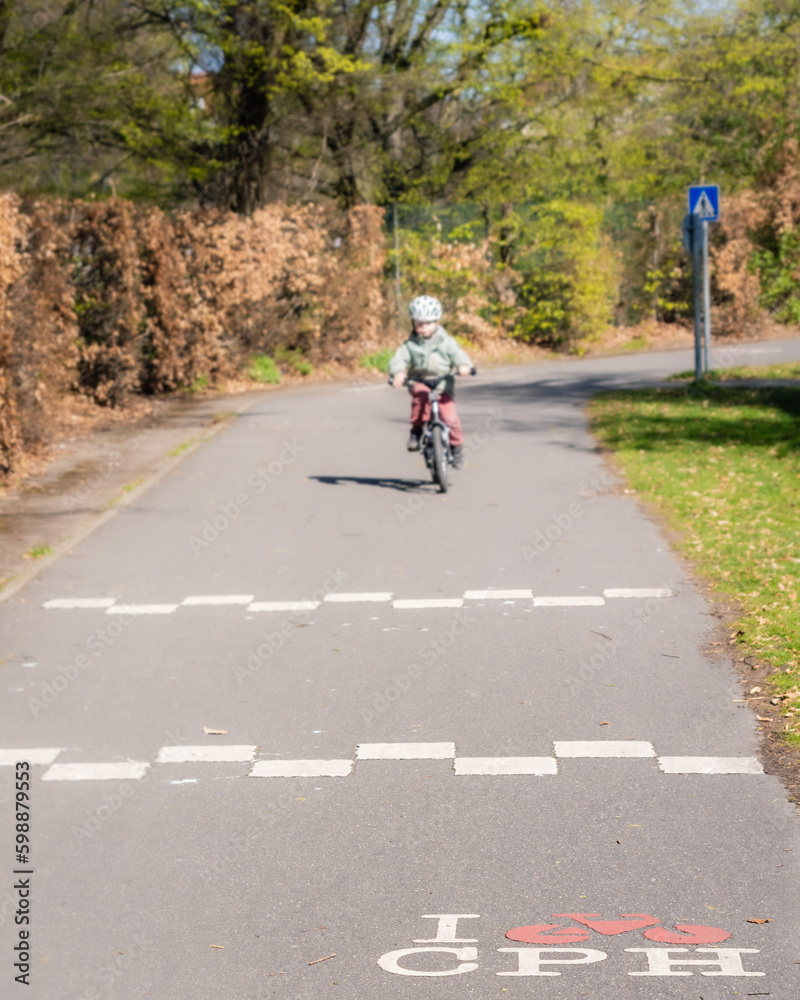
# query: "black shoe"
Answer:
x=458 y=457
x=413 y=439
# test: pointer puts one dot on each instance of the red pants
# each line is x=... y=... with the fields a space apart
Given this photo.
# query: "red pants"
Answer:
x=421 y=411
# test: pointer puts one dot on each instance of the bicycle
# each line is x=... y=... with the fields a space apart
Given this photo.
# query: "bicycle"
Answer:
x=435 y=438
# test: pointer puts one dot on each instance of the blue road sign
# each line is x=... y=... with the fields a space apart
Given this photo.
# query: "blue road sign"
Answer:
x=704 y=201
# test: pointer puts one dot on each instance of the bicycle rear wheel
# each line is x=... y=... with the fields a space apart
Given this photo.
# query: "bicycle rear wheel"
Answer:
x=439 y=469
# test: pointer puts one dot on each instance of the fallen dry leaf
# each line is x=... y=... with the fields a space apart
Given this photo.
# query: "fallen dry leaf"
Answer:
x=759 y=920
x=764 y=718
x=220 y=946
x=215 y=732
x=605 y=723
x=756 y=689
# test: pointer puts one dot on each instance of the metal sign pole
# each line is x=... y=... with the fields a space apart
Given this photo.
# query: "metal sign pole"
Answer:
x=697 y=235
x=703 y=208
x=706 y=299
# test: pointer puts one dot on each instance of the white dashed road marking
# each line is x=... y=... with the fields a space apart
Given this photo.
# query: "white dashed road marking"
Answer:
x=405 y=751
x=366 y=597
x=141 y=609
x=69 y=603
x=130 y=770
x=505 y=765
x=283 y=606
x=222 y=599
x=302 y=769
x=37 y=755
x=496 y=595
x=433 y=602
x=340 y=768
x=357 y=598
x=183 y=755
x=710 y=765
x=603 y=748
x=567 y=602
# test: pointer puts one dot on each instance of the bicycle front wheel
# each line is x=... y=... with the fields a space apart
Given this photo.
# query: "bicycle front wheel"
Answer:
x=439 y=458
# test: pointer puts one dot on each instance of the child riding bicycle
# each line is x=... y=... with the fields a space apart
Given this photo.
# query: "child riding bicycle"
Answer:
x=430 y=351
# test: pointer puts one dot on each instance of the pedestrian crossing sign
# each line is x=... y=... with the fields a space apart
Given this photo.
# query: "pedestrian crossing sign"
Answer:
x=704 y=202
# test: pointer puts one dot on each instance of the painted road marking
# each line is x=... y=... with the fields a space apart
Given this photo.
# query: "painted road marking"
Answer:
x=462 y=766
x=637 y=592
x=728 y=962
x=353 y=598
x=490 y=595
x=390 y=962
x=141 y=609
x=221 y=599
x=110 y=605
x=301 y=769
x=505 y=765
x=432 y=602
x=567 y=602
x=629 y=922
x=530 y=959
x=35 y=755
x=405 y=751
x=283 y=606
x=721 y=962
x=603 y=748
x=447 y=928
x=710 y=765
x=70 y=603
x=212 y=754
x=129 y=770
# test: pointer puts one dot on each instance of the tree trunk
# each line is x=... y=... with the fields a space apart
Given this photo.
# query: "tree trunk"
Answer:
x=655 y=236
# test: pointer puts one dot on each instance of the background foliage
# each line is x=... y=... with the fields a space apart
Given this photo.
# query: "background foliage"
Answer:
x=108 y=299
x=534 y=156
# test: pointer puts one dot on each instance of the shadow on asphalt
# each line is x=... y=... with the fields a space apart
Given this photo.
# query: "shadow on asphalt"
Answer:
x=401 y=485
x=758 y=430
x=575 y=388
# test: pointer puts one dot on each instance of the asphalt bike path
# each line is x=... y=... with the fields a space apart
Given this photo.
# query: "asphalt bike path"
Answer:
x=299 y=725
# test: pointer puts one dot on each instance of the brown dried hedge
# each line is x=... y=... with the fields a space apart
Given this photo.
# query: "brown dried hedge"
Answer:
x=109 y=298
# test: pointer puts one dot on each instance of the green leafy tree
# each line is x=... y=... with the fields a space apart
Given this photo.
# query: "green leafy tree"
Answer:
x=95 y=98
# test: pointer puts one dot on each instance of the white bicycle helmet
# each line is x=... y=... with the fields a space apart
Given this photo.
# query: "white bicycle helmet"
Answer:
x=425 y=309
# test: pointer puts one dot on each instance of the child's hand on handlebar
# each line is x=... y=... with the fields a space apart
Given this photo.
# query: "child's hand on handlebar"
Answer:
x=398 y=380
x=464 y=370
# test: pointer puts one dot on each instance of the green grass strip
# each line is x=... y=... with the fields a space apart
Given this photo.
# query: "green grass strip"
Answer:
x=786 y=369
x=722 y=464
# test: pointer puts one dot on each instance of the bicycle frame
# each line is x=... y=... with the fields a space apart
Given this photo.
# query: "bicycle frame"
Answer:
x=434 y=421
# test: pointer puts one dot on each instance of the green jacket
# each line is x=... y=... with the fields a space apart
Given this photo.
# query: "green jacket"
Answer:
x=436 y=355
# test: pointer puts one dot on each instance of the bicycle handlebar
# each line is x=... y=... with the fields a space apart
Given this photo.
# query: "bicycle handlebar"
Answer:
x=432 y=381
